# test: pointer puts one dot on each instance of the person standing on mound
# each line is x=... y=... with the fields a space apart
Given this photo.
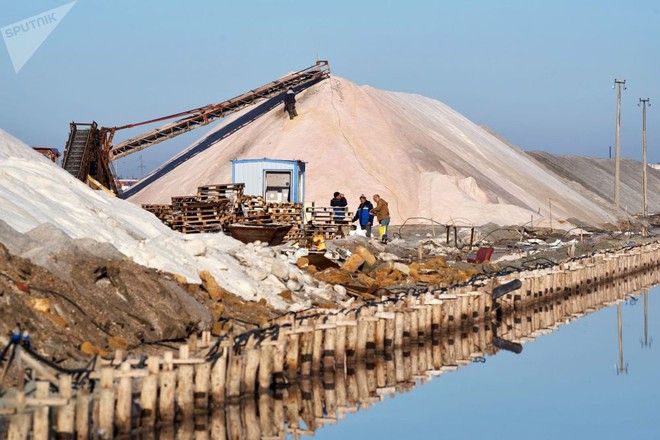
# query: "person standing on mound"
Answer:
x=382 y=213
x=290 y=103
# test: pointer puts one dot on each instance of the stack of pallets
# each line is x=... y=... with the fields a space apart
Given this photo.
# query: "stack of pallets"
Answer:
x=288 y=213
x=252 y=209
x=215 y=207
x=190 y=215
x=328 y=221
x=163 y=212
x=231 y=191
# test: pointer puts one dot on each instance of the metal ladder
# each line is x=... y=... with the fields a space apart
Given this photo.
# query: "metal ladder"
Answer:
x=78 y=152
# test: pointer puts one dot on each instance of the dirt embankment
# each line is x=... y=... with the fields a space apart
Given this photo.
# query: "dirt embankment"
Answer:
x=78 y=297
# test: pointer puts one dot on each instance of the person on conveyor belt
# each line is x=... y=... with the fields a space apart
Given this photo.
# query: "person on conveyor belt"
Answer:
x=290 y=103
x=364 y=215
x=339 y=204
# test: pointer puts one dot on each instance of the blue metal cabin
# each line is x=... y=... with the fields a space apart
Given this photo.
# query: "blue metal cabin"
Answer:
x=275 y=179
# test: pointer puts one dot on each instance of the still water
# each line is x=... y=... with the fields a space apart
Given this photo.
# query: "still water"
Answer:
x=564 y=385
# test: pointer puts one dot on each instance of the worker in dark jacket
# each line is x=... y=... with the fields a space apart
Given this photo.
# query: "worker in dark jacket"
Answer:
x=339 y=203
x=290 y=103
x=364 y=215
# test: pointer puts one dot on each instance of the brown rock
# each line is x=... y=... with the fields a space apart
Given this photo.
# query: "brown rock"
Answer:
x=40 y=304
x=366 y=280
x=217 y=309
x=334 y=276
x=286 y=295
x=302 y=262
x=180 y=279
x=90 y=349
x=312 y=269
x=381 y=272
x=364 y=253
x=395 y=275
x=58 y=320
x=216 y=329
x=353 y=263
x=263 y=302
x=216 y=293
x=118 y=343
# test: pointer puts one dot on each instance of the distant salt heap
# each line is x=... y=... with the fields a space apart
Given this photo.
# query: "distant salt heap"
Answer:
x=34 y=191
x=424 y=158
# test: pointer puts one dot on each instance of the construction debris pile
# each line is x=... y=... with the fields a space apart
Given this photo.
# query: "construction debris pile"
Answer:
x=363 y=272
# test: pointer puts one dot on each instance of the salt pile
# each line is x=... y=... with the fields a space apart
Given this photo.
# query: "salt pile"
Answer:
x=424 y=158
x=34 y=191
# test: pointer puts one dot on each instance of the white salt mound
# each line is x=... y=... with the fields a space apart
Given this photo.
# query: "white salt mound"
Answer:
x=34 y=191
x=421 y=156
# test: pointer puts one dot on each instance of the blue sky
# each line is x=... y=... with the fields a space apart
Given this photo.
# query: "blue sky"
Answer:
x=539 y=73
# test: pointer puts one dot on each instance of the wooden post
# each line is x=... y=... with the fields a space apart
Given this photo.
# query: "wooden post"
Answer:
x=66 y=413
x=340 y=342
x=185 y=388
x=278 y=360
x=202 y=379
x=380 y=335
x=362 y=329
x=317 y=347
x=124 y=399
x=234 y=375
x=82 y=415
x=219 y=378
x=167 y=387
x=265 y=367
x=422 y=330
x=407 y=324
x=292 y=353
x=329 y=344
x=398 y=329
x=149 y=391
x=107 y=403
x=390 y=331
x=351 y=340
x=41 y=423
x=306 y=348
x=251 y=365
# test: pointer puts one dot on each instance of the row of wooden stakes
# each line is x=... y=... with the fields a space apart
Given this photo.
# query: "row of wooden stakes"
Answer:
x=456 y=325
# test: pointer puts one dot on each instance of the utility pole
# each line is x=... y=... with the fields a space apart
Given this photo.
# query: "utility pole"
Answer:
x=645 y=209
x=617 y=166
x=141 y=167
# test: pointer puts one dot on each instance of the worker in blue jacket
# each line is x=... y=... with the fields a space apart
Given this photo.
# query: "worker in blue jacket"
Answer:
x=364 y=215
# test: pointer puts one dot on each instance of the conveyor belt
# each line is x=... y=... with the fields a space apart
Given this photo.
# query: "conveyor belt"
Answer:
x=205 y=115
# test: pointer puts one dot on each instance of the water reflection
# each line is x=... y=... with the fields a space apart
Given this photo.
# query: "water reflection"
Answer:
x=556 y=383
